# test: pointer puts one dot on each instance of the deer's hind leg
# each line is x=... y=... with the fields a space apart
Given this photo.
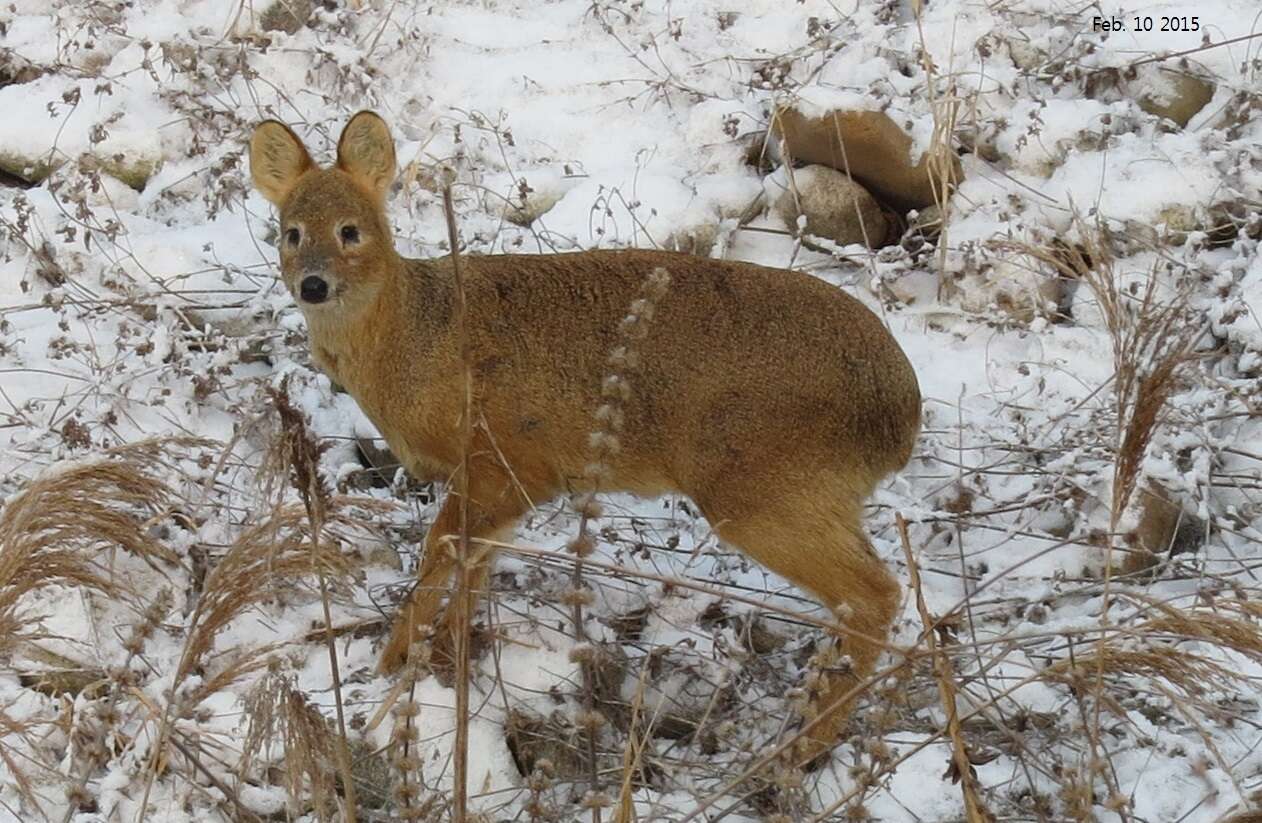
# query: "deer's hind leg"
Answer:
x=815 y=539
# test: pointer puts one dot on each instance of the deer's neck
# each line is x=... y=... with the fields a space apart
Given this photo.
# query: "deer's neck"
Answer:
x=347 y=343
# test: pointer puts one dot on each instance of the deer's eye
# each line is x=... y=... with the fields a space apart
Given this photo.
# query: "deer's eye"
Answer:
x=293 y=237
x=349 y=234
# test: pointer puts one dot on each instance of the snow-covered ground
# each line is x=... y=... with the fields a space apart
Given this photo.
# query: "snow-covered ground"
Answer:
x=139 y=299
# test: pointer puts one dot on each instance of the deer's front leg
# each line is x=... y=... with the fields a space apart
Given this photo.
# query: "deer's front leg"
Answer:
x=495 y=502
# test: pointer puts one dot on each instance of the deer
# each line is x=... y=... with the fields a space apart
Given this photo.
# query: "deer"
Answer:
x=772 y=400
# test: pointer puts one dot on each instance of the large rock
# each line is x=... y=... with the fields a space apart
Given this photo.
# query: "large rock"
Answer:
x=527 y=195
x=1174 y=95
x=877 y=153
x=286 y=15
x=1162 y=529
x=1017 y=286
x=836 y=208
x=34 y=169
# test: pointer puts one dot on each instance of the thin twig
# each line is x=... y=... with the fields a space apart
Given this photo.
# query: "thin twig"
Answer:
x=461 y=602
x=974 y=810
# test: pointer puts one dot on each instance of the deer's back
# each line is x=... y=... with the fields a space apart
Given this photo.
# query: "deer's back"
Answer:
x=742 y=365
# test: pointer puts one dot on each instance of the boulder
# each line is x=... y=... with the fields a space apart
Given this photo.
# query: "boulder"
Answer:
x=1162 y=529
x=286 y=15
x=531 y=194
x=1174 y=95
x=1018 y=286
x=34 y=168
x=877 y=154
x=836 y=208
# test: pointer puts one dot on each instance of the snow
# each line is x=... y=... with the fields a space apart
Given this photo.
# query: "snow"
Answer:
x=139 y=311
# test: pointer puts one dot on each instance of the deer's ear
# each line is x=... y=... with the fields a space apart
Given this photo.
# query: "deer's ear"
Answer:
x=365 y=151
x=277 y=160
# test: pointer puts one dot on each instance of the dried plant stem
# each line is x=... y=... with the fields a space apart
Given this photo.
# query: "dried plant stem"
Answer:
x=241 y=811
x=589 y=688
x=975 y=810
x=405 y=740
x=461 y=604
x=304 y=461
x=605 y=445
x=343 y=749
x=945 y=114
x=634 y=752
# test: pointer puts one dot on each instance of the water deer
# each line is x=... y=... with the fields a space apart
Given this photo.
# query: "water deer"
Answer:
x=772 y=400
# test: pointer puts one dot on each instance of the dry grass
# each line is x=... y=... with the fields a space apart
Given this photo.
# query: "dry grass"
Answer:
x=975 y=810
x=262 y=564
x=1182 y=646
x=63 y=529
x=301 y=452
x=462 y=602
x=278 y=711
x=1152 y=335
x=604 y=444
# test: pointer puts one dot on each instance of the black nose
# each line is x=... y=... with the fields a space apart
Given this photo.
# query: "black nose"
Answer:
x=314 y=289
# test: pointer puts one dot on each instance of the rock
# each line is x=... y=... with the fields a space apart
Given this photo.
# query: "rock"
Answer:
x=530 y=194
x=698 y=240
x=836 y=208
x=1171 y=94
x=27 y=168
x=681 y=689
x=373 y=773
x=760 y=636
x=113 y=193
x=1018 y=286
x=914 y=287
x=133 y=171
x=1024 y=54
x=286 y=15
x=928 y=221
x=1179 y=219
x=877 y=153
x=522 y=211
x=1162 y=529
x=16 y=70
x=550 y=743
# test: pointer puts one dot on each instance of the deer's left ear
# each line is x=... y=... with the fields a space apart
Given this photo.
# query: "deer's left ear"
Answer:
x=365 y=151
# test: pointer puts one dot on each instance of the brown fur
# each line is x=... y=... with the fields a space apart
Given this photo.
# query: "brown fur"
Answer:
x=774 y=401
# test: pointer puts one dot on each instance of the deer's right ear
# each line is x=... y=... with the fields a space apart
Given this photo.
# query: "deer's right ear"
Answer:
x=277 y=160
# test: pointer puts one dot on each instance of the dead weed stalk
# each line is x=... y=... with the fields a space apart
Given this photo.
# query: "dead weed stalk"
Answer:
x=1152 y=336
x=461 y=603
x=265 y=561
x=605 y=445
x=975 y=810
x=303 y=456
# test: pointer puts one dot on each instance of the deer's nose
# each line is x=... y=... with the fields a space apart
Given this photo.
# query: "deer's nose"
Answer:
x=313 y=289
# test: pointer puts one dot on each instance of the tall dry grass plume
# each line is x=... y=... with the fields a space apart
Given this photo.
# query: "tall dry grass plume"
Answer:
x=1152 y=332
x=65 y=527
x=1188 y=649
x=64 y=530
x=278 y=711
x=263 y=566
